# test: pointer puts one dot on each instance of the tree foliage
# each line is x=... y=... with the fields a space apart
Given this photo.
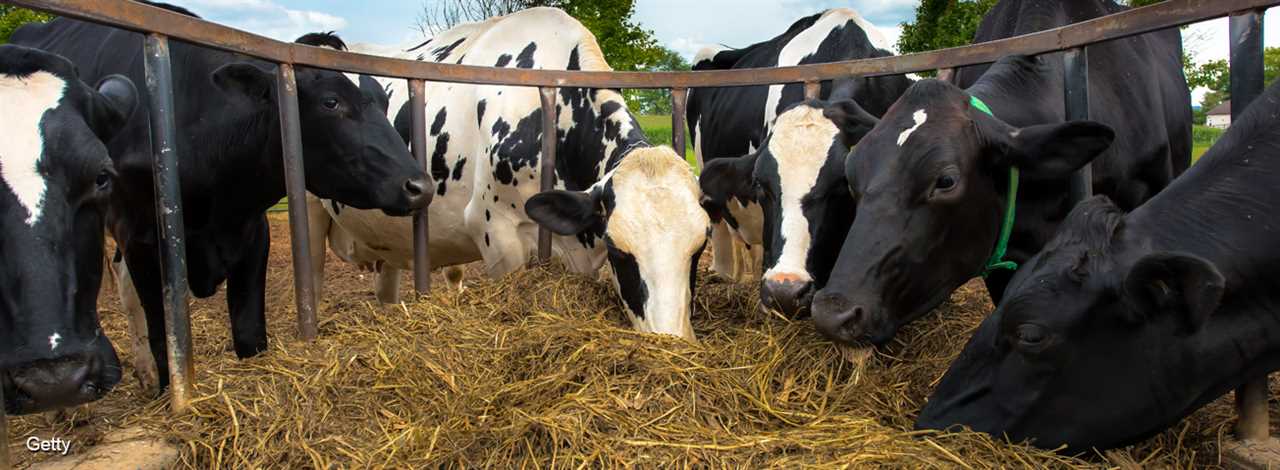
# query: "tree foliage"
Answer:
x=12 y=17
x=940 y=24
x=626 y=45
x=1215 y=75
x=657 y=101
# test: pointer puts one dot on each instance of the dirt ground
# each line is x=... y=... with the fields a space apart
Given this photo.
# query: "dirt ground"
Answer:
x=894 y=381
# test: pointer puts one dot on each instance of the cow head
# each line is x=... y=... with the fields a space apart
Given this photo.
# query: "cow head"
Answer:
x=930 y=185
x=353 y=154
x=647 y=210
x=1087 y=330
x=797 y=178
x=55 y=175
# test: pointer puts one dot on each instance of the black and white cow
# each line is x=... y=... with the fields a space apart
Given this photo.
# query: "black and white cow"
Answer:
x=618 y=196
x=932 y=179
x=1127 y=323
x=768 y=157
x=231 y=167
x=55 y=177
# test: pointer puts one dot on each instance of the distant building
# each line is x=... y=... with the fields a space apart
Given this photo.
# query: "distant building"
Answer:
x=1219 y=116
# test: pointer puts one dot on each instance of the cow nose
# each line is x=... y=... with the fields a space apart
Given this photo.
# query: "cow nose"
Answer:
x=57 y=383
x=839 y=319
x=788 y=295
x=417 y=193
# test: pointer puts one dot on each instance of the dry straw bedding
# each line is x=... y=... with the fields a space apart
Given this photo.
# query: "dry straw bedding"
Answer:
x=538 y=369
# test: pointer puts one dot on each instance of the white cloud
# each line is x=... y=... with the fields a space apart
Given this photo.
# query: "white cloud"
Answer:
x=265 y=17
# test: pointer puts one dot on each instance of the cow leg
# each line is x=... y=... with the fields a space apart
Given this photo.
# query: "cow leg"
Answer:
x=752 y=272
x=144 y=364
x=388 y=285
x=318 y=224
x=453 y=275
x=142 y=265
x=724 y=252
x=246 y=294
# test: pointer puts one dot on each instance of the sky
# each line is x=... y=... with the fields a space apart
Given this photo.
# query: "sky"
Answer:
x=682 y=25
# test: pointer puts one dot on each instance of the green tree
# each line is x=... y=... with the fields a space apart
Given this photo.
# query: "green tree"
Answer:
x=940 y=24
x=12 y=17
x=1215 y=75
x=657 y=101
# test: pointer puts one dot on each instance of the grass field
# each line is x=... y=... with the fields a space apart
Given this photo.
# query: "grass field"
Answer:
x=658 y=128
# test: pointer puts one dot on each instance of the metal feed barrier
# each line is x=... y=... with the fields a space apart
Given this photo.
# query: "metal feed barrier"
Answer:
x=159 y=25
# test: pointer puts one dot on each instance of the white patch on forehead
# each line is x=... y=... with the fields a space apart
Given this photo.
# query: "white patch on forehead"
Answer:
x=54 y=339
x=657 y=218
x=26 y=100
x=919 y=117
x=799 y=144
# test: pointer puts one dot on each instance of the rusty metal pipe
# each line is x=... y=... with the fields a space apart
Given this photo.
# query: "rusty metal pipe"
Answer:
x=1245 y=32
x=295 y=182
x=172 y=232
x=549 y=139
x=421 y=225
x=140 y=17
x=679 y=98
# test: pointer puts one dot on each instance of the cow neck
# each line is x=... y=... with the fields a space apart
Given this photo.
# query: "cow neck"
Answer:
x=996 y=261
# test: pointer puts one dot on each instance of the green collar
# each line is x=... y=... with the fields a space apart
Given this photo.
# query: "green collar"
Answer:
x=997 y=262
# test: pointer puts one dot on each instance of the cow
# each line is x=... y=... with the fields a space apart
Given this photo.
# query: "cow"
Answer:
x=769 y=155
x=231 y=167
x=935 y=178
x=1126 y=323
x=617 y=198
x=55 y=176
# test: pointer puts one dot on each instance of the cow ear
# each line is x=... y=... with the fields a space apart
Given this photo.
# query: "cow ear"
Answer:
x=853 y=121
x=1050 y=151
x=565 y=212
x=1179 y=283
x=114 y=101
x=240 y=78
x=725 y=178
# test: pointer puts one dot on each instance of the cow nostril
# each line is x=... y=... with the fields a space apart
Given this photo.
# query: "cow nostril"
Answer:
x=415 y=187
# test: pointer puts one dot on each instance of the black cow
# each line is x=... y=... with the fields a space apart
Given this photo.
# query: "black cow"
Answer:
x=770 y=159
x=932 y=179
x=55 y=177
x=1125 y=324
x=231 y=169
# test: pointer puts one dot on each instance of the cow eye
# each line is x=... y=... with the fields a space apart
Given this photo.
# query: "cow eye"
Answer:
x=945 y=182
x=331 y=103
x=1030 y=335
x=103 y=181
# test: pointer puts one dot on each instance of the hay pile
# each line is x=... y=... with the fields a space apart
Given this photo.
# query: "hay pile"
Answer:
x=538 y=369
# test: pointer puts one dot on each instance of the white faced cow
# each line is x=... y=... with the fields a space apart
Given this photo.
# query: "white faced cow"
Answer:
x=767 y=152
x=616 y=194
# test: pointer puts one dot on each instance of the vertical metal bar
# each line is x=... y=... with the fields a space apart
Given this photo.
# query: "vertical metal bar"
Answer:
x=549 y=139
x=417 y=124
x=295 y=182
x=1245 y=32
x=679 y=98
x=1076 y=65
x=812 y=90
x=4 y=436
x=172 y=232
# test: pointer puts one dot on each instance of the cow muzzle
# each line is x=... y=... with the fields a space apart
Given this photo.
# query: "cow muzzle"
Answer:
x=789 y=295
x=51 y=384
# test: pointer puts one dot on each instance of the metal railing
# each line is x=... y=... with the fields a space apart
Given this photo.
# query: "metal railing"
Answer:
x=160 y=25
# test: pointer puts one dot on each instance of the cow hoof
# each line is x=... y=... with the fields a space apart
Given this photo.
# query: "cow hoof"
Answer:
x=453 y=275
